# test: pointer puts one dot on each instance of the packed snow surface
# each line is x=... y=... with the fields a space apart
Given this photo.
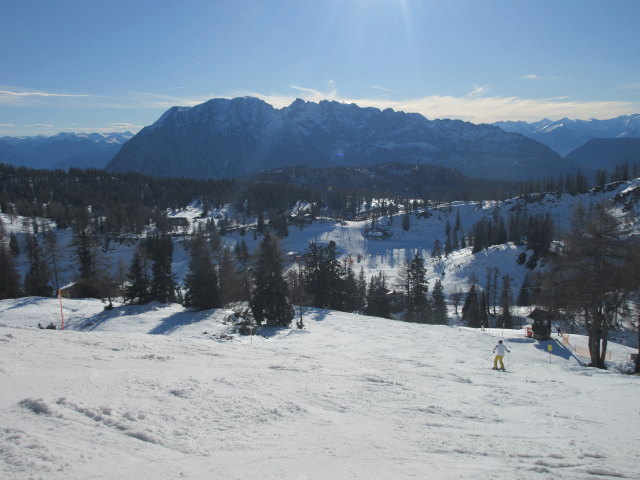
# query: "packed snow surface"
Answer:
x=160 y=392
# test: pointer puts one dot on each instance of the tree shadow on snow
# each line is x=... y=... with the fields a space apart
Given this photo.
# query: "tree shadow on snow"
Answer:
x=179 y=320
x=315 y=314
x=521 y=340
x=92 y=323
x=557 y=349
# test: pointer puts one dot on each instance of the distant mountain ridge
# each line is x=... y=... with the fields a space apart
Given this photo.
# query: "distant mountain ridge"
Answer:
x=606 y=153
x=234 y=137
x=64 y=150
x=566 y=135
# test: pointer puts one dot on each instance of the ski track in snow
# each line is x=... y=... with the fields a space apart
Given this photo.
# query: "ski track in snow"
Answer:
x=350 y=397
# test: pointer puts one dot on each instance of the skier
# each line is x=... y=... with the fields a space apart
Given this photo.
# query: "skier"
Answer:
x=499 y=350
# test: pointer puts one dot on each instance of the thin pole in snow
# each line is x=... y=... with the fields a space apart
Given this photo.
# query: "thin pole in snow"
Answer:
x=61 y=314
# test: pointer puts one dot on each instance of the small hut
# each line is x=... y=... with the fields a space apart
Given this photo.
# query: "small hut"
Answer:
x=541 y=324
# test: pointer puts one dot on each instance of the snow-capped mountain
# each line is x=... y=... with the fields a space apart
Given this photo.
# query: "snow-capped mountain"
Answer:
x=228 y=138
x=64 y=150
x=565 y=135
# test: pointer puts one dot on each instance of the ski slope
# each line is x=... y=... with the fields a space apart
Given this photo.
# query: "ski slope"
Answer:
x=160 y=392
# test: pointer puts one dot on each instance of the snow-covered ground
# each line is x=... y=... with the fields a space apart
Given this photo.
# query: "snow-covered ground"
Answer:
x=158 y=392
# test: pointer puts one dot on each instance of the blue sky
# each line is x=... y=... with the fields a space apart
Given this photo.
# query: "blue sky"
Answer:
x=117 y=65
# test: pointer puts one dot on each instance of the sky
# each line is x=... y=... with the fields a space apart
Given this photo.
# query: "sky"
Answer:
x=95 y=66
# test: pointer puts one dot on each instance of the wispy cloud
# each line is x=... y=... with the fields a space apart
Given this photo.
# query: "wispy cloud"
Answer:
x=382 y=89
x=630 y=86
x=39 y=94
x=533 y=76
x=476 y=106
x=7 y=125
x=477 y=91
x=40 y=125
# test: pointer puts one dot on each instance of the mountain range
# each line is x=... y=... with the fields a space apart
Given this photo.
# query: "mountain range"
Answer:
x=64 y=150
x=234 y=137
x=565 y=135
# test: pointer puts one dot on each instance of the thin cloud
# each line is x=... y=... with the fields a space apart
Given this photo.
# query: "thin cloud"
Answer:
x=474 y=107
x=22 y=97
x=630 y=86
x=477 y=91
x=7 y=125
x=531 y=76
x=382 y=89
x=40 y=125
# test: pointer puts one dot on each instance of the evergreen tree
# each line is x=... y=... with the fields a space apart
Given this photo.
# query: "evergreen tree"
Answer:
x=417 y=288
x=361 y=292
x=9 y=280
x=484 y=309
x=36 y=281
x=163 y=283
x=269 y=301
x=323 y=276
x=406 y=222
x=14 y=246
x=505 y=320
x=86 y=249
x=471 y=314
x=439 y=306
x=378 y=304
x=448 y=245
x=524 y=297
x=456 y=296
x=230 y=281
x=201 y=283
x=52 y=253
x=138 y=289
x=350 y=291
x=437 y=249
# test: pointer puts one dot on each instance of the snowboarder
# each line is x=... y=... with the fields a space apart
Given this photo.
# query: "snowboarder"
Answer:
x=499 y=350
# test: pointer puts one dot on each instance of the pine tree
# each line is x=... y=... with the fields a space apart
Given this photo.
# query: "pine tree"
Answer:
x=448 y=245
x=439 y=306
x=406 y=222
x=230 y=281
x=36 y=281
x=350 y=291
x=437 y=249
x=417 y=288
x=378 y=304
x=505 y=320
x=471 y=310
x=86 y=249
x=524 y=297
x=163 y=283
x=201 y=283
x=323 y=276
x=269 y=301
x=137 y=290
x=14 y=246
x=9 y=280
x=361 y=292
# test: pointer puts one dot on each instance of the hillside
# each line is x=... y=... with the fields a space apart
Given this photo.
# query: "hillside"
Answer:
x=607 y=153
x=348 y=397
